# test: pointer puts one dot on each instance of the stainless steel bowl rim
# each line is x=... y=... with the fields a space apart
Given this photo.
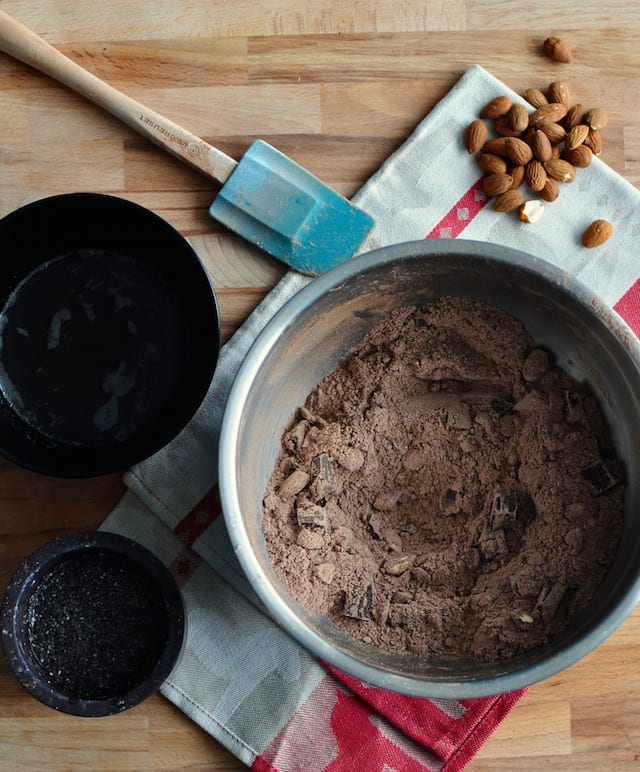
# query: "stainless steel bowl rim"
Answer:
x=277 y=609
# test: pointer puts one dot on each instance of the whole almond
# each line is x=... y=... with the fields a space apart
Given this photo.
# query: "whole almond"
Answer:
x=574 y=115
x=541 y=146
x=551 y=190
x=550 y=113
x=508 y=201
x=560 y=170
x=477 y=133
x=498 y=106
x=517 y=151
x=518 y=117
x=491 y=163
x=578 y=156
x=554 y=131
x=576 y=135
x=517 y=175
x=596 y=118
x=495 y=184
x=535 y=175
x=594 y=141
x=503 y=127
x=558 y=91
x=597 y=233
x=557 y=49
x=496 y=146
x=535 y=97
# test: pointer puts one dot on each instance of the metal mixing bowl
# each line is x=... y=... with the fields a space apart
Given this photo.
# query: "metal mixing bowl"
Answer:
x=314 y=332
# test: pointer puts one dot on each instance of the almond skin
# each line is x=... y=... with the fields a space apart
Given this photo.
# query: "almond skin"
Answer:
x=557 y=49
x=550 y=113
x=508 y=201
x=535 y=97
x=496 y=146
x=558 y=91
x=517 y=151
x=554 y=131
x=477 y=134
x=594 y=141
x=503 y=127
x=578 y=156
x=574 y=116
x=495 y=184
x=535 y=175
x=498 y=106
x=597 y=233
x=517 y=175
x=576 y=135
x=596 y=118
x=491 y=163
x=560 y=170
x=551 y=190
x=541 y=146
x=518 y=117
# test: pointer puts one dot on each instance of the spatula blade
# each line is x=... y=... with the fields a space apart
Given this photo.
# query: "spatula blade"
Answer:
x=276 y=204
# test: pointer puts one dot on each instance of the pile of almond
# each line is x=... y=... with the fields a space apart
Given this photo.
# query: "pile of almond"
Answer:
x=540 y=148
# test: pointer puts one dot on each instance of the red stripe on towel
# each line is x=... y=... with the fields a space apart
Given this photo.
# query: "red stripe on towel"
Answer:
x=461 y=214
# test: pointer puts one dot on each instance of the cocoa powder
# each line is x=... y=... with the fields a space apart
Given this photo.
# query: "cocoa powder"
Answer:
x=447 y=491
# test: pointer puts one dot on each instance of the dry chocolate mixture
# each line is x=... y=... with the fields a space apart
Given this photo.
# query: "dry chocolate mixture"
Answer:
x=447 y=491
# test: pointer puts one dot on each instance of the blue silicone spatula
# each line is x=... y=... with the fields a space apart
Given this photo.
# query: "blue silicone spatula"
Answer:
x=266 y=198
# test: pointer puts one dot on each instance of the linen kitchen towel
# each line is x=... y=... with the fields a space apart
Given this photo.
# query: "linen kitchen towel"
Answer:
x=241 y=677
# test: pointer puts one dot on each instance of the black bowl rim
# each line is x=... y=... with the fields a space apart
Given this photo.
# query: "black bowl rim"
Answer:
x=23 y=583
x=122 y=457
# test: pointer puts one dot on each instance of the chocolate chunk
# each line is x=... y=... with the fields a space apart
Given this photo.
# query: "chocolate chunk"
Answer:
x=504 y=508
x=323 y=477
x=600 y=476
x=449 y=502
x=358 y=603
x=573 y=409
x=549 y=600
x=312 y=515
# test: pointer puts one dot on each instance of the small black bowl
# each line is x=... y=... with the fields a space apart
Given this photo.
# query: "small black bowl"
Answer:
x=109 y=334
x=92 y=623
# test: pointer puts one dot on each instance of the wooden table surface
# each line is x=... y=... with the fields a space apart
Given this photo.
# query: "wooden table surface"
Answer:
x=337 y=85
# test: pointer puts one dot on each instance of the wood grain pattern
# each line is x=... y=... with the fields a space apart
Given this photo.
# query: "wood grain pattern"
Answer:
x=337 y=86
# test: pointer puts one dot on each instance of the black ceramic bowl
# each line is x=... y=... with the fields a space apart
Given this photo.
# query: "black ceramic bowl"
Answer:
x=92 y=623
x=109 y=334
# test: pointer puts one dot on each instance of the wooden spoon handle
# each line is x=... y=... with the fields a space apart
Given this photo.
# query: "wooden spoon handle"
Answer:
x=23 y=44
